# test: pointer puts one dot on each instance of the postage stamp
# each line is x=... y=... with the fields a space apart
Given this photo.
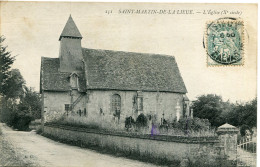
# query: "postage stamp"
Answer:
x=224 y=42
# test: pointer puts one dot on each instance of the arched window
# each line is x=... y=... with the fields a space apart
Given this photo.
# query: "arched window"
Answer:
x=74 y=81
x=116 y=105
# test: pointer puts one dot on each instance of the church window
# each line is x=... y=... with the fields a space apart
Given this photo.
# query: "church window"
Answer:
x=116 y=105
x=85 y=112
x=139 y=100
x=140 y=103
x=74 y=81
x=67 y=107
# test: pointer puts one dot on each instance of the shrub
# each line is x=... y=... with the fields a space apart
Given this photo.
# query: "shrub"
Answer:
x=251 y=147
x=243 y=129
x=141 y=120
x=129 y=121
x=195 y=124
x=89 y=122
x=39 y=130
x=21 y=120
x=206 y=160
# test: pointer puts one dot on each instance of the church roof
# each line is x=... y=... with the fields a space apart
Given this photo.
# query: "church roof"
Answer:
x=116 y=70
x=119 y=70
x=70 y=30
x=54 y=80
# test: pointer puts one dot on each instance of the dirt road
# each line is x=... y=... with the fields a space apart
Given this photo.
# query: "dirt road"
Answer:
x=29 y=149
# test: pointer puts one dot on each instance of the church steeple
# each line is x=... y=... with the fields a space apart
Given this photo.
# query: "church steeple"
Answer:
x=70 y=30
x=70 y=48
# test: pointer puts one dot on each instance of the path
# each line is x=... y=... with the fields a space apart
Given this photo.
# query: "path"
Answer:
x=246 y=158
x=36 y=150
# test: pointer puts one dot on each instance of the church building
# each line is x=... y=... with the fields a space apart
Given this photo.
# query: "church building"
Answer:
x=107 y=84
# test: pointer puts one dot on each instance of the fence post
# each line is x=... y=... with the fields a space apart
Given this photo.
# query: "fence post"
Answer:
x=227 y=135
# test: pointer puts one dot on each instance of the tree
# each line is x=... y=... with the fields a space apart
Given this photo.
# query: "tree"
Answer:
x=30 y=103
x=13 y=87
x=244 y=114
x=209 y=107
x=243 y=129
x=6 y=60
x=11 y=90
x=218 y=112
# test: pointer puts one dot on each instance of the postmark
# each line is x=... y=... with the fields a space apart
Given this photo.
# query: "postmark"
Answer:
x=224 y=42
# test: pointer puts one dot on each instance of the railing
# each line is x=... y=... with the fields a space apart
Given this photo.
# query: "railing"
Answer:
x=246 y=152
x=76 y=101
x=247 y=144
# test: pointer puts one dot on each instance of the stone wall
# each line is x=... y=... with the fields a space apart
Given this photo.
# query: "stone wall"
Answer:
x=170 y=148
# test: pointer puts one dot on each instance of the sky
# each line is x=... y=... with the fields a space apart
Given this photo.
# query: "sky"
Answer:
x=32 y=30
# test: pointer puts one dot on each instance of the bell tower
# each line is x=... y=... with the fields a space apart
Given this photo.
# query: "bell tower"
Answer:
x=70 y=53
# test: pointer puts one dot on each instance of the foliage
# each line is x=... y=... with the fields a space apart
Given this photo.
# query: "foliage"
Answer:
x=14 y=112
x=21 y=120
x=141 y=120
x=244 y=114
x=205 y=161
x=13 y=86
x=218 y=112
x=129 y=122
x=19 y=115
x=251 y=147
x=8 y=109
x=209 y=107
x=39 y=130
x=6 y=60
x=195 y=124
x=30 y=102
x=87 y=122
x=243 y=129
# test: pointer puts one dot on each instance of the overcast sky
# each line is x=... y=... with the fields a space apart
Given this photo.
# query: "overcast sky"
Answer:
x=32 y=30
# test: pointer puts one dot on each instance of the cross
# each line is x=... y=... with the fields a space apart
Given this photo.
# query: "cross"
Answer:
x=163 y=115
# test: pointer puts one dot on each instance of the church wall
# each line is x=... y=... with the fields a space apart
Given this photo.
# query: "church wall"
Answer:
x=154 y=103
x=54 y=104
x=98 y=106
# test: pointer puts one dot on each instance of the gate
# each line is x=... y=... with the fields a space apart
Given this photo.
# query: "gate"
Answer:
x=246 y=152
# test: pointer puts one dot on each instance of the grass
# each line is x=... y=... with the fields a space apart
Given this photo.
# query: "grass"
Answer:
x=190 y=133
x=39 y=130
x=110 y=126
x=202 y=161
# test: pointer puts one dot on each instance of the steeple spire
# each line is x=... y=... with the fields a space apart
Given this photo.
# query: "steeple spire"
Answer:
x=70 y=30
